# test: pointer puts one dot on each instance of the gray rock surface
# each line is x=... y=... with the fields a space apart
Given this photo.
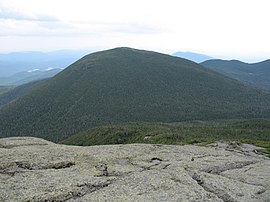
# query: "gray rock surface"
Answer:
x=33 y=169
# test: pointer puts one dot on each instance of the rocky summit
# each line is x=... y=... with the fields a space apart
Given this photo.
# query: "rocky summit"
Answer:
x=33 y=169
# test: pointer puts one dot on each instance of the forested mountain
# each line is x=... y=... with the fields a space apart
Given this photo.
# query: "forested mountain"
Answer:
x=125 y=85
x=257 y=74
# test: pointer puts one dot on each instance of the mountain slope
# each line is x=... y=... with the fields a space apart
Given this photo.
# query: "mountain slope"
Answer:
x=125 y=85
x=18 y=91
x=195 y=57
x=4 y=89
x=257 y=74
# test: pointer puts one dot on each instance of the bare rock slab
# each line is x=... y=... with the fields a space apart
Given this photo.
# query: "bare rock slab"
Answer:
x=32 y=169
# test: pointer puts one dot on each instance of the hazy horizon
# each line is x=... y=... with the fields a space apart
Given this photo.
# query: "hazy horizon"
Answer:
x=227 y=28
x=223 y=57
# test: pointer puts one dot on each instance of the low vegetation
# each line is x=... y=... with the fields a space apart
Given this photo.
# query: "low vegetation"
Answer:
x=196 y=132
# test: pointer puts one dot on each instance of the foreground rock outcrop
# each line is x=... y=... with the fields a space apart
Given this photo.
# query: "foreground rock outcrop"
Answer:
x=33 y=169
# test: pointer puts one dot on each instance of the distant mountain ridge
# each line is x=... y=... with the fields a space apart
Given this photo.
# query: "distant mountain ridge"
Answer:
x=12 y=63
x=29 y=76
x=195 y=57
x=257 y=74
x=129 y=85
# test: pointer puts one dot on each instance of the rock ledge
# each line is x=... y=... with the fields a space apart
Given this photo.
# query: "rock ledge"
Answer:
x=32 y=169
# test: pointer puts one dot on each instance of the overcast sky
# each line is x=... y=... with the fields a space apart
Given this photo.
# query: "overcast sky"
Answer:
x=230 y=28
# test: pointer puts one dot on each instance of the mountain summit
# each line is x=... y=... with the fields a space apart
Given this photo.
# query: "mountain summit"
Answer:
x=128 y=85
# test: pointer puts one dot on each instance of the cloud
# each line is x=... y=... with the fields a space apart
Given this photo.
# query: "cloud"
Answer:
x=18 y=22
x=135 y=28
x=115 y=27
x=11 y=14
x=15 y=21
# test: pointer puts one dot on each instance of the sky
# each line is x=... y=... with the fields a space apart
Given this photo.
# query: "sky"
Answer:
x=229 y=29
